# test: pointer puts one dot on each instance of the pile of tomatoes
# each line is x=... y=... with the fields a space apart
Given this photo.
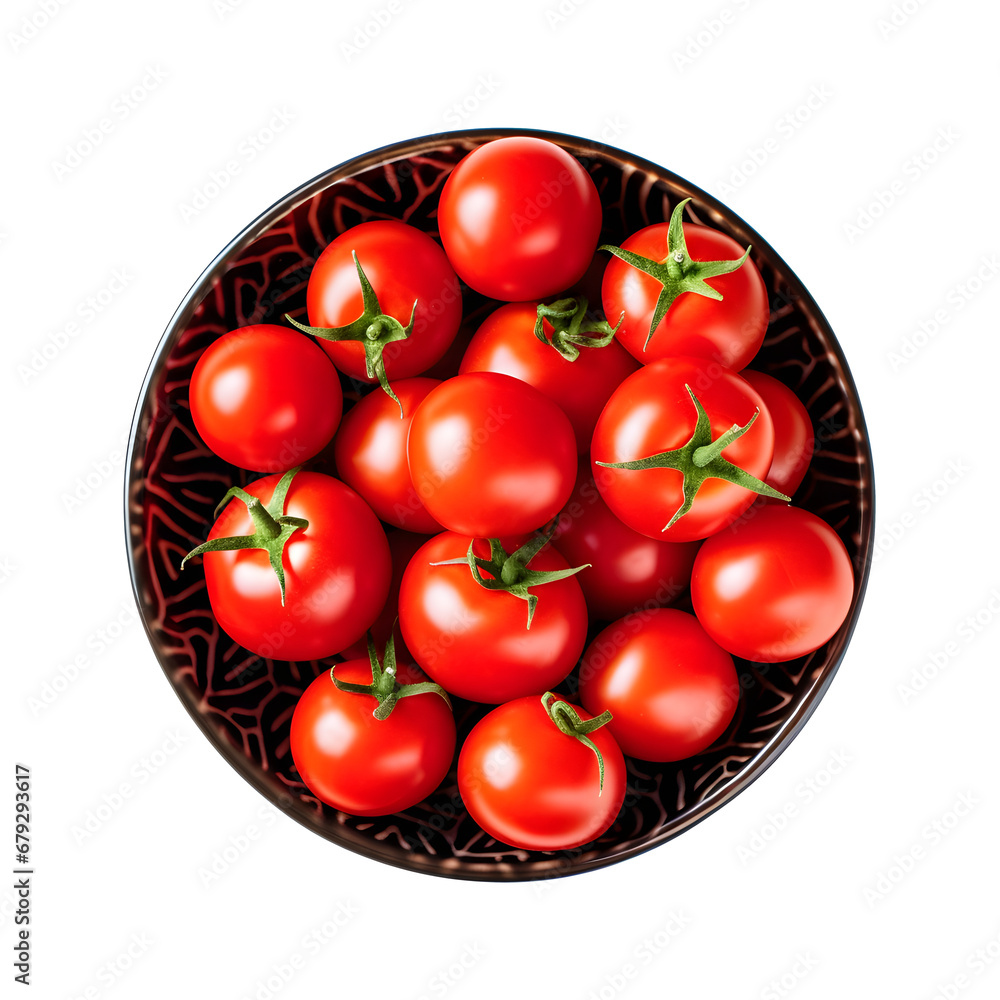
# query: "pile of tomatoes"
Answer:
x=569 y=474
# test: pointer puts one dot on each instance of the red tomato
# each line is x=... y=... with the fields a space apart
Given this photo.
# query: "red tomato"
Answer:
x=794 y=442
x=652 y=412
x=370 y=451
x=403 y=545
x=366 y=766
x=403 y=265
x=265 y=398
x=728 y=332
x=776 y=586
x=336 y=571
x=530 y=785
x=627 y=570
x=670 y=689
x=506 y=343
x=491 y=456
x=519 y=219
x=475 y=642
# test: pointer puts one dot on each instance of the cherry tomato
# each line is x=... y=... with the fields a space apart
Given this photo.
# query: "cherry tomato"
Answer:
x=265 y=398
x=366 y=766
x=490 y=455
x=476 y=642
x=670 y=689
x=403 y=545
x=519 y=219
x=533 y=786
x=774 y=587
x=336 y=572
x=506 y=343
x=403 y=265
x=794 y=442
x=652 y=412
x=627 y=570
x=728 y=332
x=370 y=451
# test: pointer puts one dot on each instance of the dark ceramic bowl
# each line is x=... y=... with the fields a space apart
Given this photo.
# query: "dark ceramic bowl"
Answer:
x=243 y=703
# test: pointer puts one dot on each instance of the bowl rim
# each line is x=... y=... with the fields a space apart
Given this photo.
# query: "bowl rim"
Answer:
x=249 y=770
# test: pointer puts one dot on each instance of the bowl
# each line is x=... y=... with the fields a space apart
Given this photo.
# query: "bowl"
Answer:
x=243 y=703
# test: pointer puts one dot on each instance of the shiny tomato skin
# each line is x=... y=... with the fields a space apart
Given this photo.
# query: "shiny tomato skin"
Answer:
x=490 y=455
x=729 y=332
x=403 y=546
x=265 y=398
x=519 y=219
x=362 y=765
x=337 y=572
x=506 y=343
x=794 y=441
x=531 y=786
x=671 y=690
x=628 y=570
x=402 y=264
x=651 y=412
x=777 y=586
x=475 y=642
x=370 y=452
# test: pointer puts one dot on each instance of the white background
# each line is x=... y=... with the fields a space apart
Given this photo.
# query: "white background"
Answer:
x=859 y=893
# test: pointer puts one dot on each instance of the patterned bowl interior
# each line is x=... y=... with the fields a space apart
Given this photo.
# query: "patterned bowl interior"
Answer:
x=244 y=703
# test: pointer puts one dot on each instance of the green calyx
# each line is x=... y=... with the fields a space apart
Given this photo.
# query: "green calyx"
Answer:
x=373 y=328
x=571 y=329
x=677 y=272
x=700 y=459
x=510 y=573
x=273 y=528
x=385 y=687
x=567 y=720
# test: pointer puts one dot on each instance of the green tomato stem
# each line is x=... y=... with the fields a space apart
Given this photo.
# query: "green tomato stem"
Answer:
x=570 y=328
x=272 y=527
x=700 y=459
x=567 y=720
x=385 y=687
x=509 y=572
x=677 y=272
x=373 y=329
